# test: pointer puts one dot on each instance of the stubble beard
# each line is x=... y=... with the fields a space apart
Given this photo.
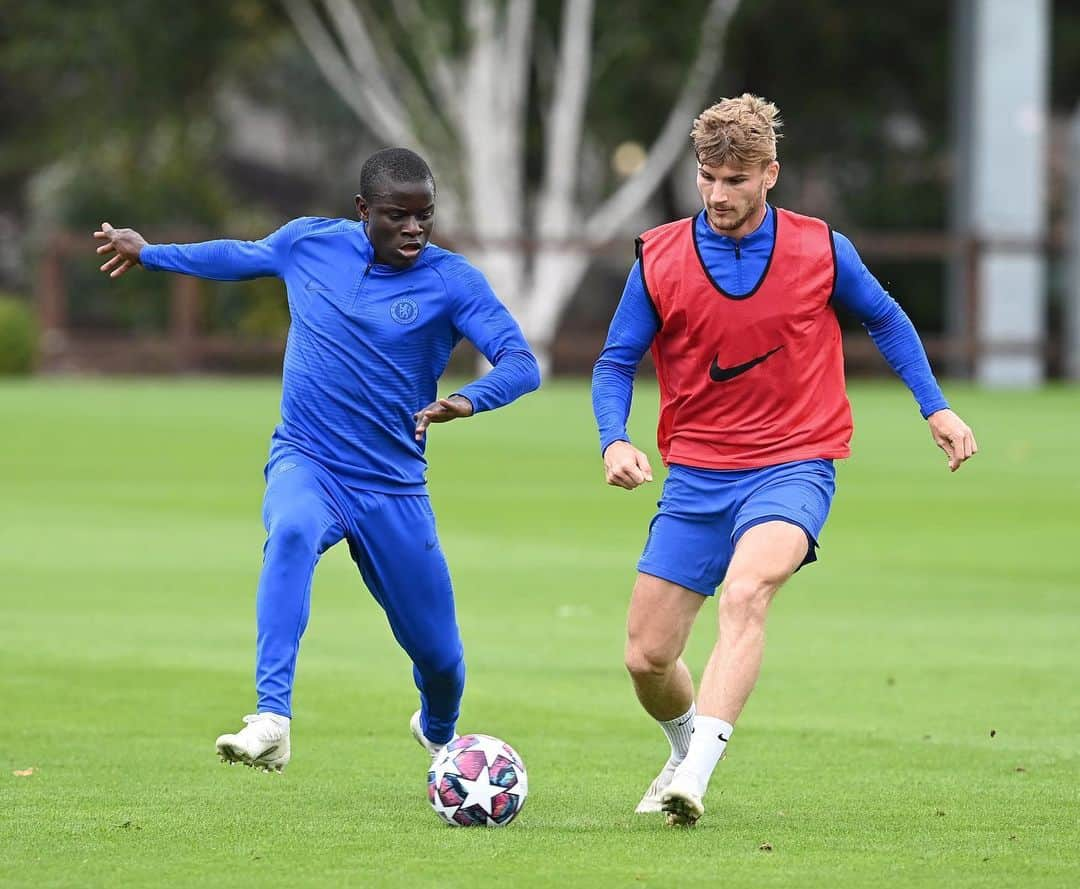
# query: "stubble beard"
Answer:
x=731 y=225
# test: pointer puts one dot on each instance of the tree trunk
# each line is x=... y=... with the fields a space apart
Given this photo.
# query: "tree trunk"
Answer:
x=475 y=132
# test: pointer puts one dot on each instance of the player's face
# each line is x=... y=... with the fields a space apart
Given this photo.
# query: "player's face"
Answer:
x=399 y=221
x=734 y=196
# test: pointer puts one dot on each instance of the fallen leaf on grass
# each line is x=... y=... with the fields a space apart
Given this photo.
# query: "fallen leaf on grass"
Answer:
x=23 y=773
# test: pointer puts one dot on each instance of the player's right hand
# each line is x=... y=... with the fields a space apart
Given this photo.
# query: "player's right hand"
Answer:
x=953 y=436
x=125 y=242
x=625 y=466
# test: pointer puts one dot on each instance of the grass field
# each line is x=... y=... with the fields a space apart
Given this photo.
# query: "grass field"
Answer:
x=917 y=722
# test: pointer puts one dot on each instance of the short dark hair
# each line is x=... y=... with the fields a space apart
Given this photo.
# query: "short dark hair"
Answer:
x=392 y=165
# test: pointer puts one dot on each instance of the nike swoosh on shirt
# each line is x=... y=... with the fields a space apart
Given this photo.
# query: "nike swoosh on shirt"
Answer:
x=719 y=374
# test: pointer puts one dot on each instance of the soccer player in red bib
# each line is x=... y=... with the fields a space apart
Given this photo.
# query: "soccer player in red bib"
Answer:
x=736 y=304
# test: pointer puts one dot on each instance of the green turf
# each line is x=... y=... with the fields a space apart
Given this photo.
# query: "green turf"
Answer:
x=916 y=724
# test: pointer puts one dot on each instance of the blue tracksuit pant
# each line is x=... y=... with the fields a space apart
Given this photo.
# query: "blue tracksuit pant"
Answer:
x=394 y=543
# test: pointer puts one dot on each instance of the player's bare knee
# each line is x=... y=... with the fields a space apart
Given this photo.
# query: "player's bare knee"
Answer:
x=645 y=660
x=746 y=599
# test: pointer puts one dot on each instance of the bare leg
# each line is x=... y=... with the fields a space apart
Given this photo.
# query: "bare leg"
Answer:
x=766 y=556
x=661 y=616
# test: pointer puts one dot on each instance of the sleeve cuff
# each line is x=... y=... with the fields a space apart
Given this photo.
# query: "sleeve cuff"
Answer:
x=474 y=399
x=933 y=407
x=146 y=258
x=605 y=443
x=468 y=398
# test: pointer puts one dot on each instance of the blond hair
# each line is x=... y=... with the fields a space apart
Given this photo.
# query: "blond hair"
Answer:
x=741 y=131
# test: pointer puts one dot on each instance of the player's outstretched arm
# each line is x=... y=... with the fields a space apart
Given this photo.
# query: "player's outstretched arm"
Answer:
x=625 y=466
x=220 y=260
x=953 y=436
x=126 y=246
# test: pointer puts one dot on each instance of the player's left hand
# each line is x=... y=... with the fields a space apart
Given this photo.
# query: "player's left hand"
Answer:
x=442 y=411
x=953 y=436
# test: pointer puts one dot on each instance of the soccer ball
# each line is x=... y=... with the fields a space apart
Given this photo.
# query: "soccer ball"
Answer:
x=477 y=781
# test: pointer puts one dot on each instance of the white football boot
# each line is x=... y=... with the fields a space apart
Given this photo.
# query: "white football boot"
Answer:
x=652 y=801
x=418 y=732
x=263 y=743
x=682 y=801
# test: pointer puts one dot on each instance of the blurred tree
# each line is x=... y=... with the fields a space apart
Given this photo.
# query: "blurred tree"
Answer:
x=864 y=90
x=456 y=80
x=867 y=128
x=120 y=91
x=116 y=108
x=108 y=112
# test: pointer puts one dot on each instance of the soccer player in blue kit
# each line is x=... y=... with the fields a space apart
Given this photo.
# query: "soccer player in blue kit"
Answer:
x=375 y=312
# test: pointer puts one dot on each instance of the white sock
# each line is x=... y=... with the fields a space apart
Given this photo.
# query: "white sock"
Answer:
x=276 y=718
x=710 y=737
x=679 y=731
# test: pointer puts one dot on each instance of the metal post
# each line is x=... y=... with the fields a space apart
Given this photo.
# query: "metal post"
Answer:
x=1008 y=170
x=960 y=275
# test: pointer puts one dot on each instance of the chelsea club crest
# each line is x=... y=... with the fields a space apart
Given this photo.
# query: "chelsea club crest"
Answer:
x=404 y=310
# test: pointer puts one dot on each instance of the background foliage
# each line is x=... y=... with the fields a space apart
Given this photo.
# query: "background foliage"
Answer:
x=120 y=110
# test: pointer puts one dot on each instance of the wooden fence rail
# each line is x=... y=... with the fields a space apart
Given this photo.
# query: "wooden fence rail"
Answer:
x=185 y=345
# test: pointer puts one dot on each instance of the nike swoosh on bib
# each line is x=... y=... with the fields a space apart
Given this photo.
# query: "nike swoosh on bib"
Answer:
x=719 y=374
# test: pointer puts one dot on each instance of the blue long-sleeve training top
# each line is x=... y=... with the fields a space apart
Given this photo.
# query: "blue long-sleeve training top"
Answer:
x=367 y=342
x=737 y=266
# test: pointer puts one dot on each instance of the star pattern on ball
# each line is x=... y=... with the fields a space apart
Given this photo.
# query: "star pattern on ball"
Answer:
x=480 y=791
x=492 y=748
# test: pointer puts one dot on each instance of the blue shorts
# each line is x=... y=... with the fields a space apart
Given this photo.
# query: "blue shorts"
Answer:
x=704 y=512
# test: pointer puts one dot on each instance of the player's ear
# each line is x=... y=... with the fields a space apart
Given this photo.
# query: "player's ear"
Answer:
x=361 y=208
x=772 y=172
